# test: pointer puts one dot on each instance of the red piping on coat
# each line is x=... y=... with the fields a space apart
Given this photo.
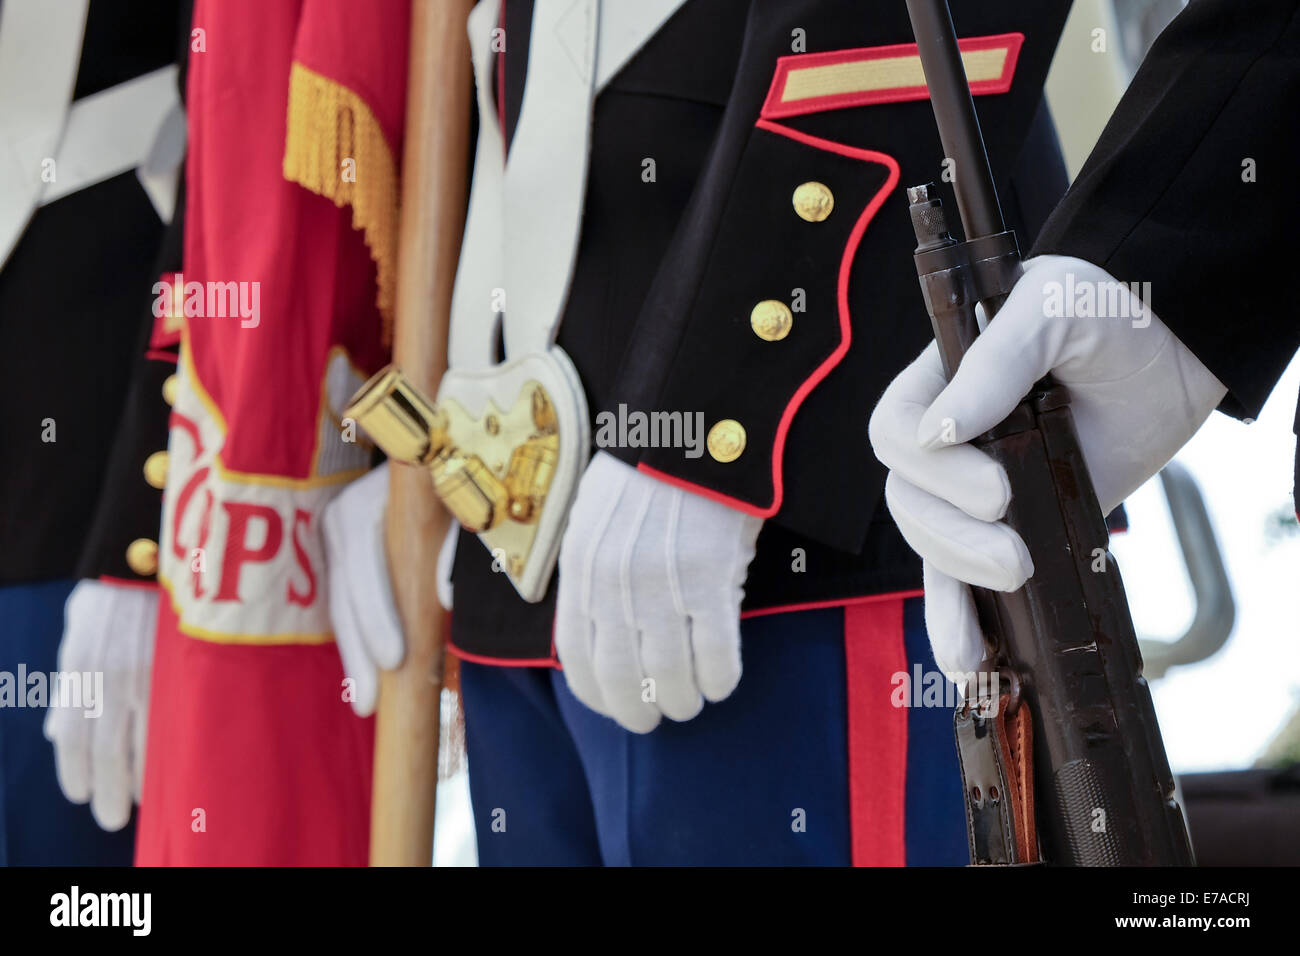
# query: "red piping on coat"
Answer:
x=835 y=602
x=846 y=333
x=159 y=336
x=502 y=661
x=554 y=659
x=127 y=583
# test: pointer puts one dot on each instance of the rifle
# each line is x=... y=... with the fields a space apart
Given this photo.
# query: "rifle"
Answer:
x=1074 y=744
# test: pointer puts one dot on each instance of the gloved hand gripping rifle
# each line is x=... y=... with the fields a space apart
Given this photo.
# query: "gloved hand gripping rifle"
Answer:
x=1074 y=742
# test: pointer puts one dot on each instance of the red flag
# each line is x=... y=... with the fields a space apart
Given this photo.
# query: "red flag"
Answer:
x=295 y=111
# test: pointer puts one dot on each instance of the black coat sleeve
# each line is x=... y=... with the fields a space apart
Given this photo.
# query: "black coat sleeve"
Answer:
x=1192 y=188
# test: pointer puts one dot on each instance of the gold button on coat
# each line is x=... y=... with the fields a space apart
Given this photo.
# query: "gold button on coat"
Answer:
x=726 y=440
x=142 y=556
x=813 y=201
x=155 y=469
x=771 y=320
x=169 y=389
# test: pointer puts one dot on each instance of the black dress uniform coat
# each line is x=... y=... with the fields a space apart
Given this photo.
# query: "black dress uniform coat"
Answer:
x=783 y=134
x=75 y=334
x=1193 y=188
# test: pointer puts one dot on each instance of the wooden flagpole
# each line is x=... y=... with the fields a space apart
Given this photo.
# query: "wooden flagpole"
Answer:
x=434 y=189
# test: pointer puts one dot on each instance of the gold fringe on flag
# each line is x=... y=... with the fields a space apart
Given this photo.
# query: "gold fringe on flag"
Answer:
x=328 y=124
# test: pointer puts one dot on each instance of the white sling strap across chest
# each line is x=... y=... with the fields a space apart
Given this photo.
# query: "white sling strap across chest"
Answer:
x=40 y=49
x=137 y=124
x=113 y=131
x=525 y=215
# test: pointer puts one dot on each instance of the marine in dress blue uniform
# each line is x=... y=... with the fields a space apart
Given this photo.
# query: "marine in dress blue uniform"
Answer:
x=764 y=279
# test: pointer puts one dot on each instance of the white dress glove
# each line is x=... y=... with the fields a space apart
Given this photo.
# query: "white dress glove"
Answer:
x=651 y=579
x=1137 y=394
x=99 y=742
x=362 y=611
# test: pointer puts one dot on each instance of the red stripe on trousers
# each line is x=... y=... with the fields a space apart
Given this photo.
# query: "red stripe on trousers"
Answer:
x=874 y=651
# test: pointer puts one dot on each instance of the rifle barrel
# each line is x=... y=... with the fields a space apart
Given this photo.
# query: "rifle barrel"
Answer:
x=954 y=112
